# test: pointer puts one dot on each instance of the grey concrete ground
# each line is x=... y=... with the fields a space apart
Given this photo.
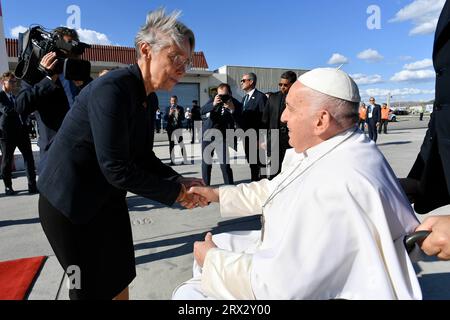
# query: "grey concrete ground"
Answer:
x=164 y=237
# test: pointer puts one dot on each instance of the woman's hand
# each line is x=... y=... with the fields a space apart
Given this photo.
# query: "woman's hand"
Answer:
x=438 y=242
x=191 y=182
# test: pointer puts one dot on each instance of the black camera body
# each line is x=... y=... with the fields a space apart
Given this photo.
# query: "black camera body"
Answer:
x=219 y=109
x=224 y=97
x=35 y=43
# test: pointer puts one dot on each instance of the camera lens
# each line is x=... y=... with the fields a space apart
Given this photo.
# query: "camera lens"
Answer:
x=225 y=98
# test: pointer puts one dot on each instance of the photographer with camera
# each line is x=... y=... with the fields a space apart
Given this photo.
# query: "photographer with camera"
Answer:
x=45 y=88
x=175 y=116
x=221 y=113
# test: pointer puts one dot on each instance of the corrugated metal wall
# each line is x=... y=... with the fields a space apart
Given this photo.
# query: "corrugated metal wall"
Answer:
x=11 y=47
x=110 y=54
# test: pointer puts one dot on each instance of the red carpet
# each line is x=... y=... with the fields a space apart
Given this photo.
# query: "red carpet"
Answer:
x=16 y=277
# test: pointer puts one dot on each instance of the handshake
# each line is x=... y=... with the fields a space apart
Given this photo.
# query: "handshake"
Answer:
x=195 y=194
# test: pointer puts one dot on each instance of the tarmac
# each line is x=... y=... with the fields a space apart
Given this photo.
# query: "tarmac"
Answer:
x=164 y=237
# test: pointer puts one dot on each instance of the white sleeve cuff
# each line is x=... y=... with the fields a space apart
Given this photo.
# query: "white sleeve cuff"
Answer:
x=243 y=200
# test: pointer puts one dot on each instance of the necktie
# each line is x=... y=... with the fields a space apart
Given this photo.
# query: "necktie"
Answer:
x=246 y=98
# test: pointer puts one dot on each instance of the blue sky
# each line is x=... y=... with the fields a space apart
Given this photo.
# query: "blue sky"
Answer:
x=289 y=34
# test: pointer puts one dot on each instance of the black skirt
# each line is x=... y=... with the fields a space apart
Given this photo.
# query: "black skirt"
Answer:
x=98 y=257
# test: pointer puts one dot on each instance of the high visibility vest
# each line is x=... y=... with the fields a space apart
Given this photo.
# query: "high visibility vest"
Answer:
x=385 y=113
x=362 y=113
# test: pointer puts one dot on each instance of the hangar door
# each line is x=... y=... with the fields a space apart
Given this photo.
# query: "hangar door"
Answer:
x=186 y=92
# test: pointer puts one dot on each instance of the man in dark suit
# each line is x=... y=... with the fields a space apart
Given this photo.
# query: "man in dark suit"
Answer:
x=253 y=105
x=222 y=113
x=276 y=148
x=14 y=133
x=174 y=116
x=428 y=183
x=373 y=119
x=51 y=98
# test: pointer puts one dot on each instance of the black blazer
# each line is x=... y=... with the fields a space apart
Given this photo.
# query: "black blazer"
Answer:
x=441 y=59
x=432 y=166
x=271 y=119
x=50 y=101
x=252 y=113
x=196 y=113
x=173 y=124
x=376 y=114
x=104 y=149
x=11 y=123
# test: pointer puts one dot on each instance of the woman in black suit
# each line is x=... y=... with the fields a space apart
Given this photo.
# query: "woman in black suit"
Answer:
x=428 y=183
x=104 y=150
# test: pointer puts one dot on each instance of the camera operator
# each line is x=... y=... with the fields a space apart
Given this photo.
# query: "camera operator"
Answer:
x=221 y=114
x=52 y=97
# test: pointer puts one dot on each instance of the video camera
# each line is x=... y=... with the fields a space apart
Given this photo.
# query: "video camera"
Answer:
x=35 y=43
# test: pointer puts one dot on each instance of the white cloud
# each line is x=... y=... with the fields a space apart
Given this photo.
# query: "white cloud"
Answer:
x=425 y=28
x=362 y=79
x=406 y=58
x=93 y=37
x=376 y=92
x=16 y=30
x=423 y=14
x=414 y=75
x=423 y=64
x=88 y=36
x=370 y=55
x=338 y=58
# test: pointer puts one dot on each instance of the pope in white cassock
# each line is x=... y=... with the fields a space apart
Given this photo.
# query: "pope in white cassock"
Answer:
x=335 y=218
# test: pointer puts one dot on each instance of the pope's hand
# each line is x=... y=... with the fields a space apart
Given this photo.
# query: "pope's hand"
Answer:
x=438 y=242
x=205 y=193
x=190 y=200
x=186 y=200
x=201 y=249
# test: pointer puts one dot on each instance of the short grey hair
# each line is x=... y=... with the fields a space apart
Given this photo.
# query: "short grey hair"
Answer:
x=344 y=112
x=253 y=78
x=161 y=30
